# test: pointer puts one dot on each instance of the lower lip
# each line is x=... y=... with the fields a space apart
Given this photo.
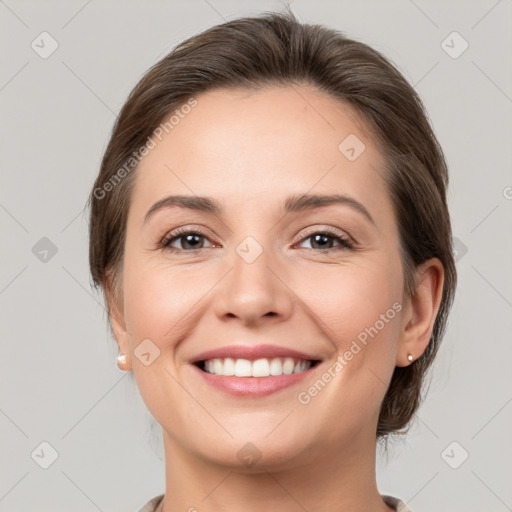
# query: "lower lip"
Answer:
x=253 y=386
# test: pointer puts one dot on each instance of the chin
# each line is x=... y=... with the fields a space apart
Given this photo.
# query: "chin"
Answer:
x=256 y=454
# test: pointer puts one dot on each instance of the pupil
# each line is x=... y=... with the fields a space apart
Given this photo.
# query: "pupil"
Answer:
x=318 y=237
x=188 y=239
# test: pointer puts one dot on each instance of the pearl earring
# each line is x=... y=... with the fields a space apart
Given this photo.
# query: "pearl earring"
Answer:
x=410 y=357
x=121 y=360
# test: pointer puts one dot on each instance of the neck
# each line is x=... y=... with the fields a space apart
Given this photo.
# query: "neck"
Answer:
x=342 y=482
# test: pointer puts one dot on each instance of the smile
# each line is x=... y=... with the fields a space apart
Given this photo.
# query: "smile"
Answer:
x=264 y=367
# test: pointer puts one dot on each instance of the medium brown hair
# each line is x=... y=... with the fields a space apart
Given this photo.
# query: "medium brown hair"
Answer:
x=276 y=49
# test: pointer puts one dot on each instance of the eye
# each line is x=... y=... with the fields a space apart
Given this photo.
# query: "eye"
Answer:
x=321 y=239
x=190 y=240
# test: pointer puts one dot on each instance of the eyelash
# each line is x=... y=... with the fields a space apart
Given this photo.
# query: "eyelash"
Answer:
x=345 y=242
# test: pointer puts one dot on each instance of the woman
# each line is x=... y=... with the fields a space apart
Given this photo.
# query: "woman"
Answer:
x=270 y=229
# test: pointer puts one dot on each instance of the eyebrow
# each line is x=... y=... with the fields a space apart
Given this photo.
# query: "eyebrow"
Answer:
x=293 y=204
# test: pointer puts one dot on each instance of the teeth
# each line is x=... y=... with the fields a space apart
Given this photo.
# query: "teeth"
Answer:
x=288 y=366
x=243 y=367
x=229 y=367
x=258 y=368
x=276 y=367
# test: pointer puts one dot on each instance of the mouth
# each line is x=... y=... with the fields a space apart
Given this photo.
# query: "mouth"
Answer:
x=253 y=371
x=259 y=368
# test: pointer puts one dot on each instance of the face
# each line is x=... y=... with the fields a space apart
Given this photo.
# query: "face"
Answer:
x=264 y=278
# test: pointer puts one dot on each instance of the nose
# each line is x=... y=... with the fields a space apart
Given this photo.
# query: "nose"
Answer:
x=255 y=292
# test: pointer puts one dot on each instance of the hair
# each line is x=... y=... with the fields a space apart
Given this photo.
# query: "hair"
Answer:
x=276 y=49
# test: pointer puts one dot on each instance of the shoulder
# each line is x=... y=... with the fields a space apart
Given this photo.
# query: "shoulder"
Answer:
x=151 y=505
x=396 y=503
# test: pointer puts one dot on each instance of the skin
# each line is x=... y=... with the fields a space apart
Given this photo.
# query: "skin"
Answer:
x=250 y=151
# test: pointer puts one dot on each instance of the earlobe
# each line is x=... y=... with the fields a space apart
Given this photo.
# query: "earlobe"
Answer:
x=118 y=325
x=423 y=309
x=122 y=337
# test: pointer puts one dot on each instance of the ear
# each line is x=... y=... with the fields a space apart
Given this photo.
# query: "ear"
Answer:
x=114 y=298
x=421 y=312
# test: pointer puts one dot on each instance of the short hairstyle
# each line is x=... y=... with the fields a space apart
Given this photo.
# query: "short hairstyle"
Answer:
x=276 y=49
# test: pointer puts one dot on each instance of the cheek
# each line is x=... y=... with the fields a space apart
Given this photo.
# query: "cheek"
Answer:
x=350 y=300
x=160 y=304
x=359 y=308
x=159 y=300
x=165 y=301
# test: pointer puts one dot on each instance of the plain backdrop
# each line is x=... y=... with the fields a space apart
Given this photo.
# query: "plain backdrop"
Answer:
x=60 y=384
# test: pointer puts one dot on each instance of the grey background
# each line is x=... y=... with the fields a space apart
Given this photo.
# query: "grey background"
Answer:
x=60 y=382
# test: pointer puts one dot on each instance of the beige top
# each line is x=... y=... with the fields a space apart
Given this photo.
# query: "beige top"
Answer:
x=397 y=503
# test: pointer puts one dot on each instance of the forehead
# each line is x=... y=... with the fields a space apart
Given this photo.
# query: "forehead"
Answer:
x=252 y=148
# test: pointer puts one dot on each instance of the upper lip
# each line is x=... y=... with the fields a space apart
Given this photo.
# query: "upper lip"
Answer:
x=252 y=353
